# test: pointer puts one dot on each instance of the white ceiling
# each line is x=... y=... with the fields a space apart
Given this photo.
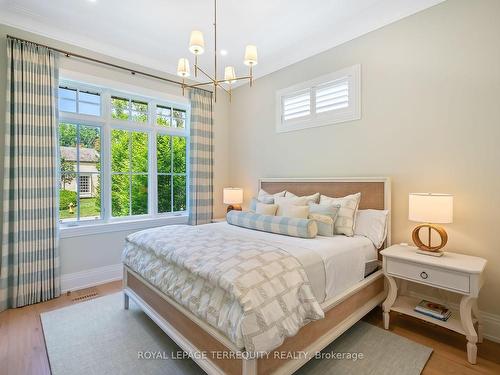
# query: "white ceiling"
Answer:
x=155 y=33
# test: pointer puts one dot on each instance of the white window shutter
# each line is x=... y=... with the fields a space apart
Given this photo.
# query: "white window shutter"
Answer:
x=332 y=95
x=296 y=106
x=330 y=99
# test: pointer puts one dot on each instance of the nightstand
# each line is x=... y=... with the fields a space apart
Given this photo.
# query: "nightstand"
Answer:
x=453 y=272
x=219 y=220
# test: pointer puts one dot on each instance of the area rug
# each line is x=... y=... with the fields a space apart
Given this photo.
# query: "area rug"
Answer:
x=99 y=337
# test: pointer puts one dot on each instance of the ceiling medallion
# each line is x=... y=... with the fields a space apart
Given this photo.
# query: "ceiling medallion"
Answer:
x=197 y=47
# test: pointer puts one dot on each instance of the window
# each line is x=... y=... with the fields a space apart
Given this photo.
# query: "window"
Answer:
x=84 y=184
x=127 y=109
x=129 y=173
x=80 y=169
x=326 y=100
x=79 y=101
x=170 y=117
x=171 y=173
x=143 y=145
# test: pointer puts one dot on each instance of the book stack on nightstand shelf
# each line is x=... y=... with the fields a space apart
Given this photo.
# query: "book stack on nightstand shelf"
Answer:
x=461 y=274
x=434 y=310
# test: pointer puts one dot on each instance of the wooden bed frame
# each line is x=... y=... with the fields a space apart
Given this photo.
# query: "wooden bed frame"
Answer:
x=215 y=353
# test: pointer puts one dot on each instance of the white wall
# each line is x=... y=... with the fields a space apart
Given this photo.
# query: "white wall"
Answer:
x=92 y=251
x=430 y=121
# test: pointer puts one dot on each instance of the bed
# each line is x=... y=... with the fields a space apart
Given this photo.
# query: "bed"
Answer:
x=338 y=269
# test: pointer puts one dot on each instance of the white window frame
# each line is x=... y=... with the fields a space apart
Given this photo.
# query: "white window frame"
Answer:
x=108 y=223
x=350 y=113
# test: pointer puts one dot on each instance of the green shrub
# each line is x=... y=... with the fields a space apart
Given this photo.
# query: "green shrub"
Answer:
x=66 y=197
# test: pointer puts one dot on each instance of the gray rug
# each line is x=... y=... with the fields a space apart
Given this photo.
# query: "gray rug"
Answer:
x=99 y=337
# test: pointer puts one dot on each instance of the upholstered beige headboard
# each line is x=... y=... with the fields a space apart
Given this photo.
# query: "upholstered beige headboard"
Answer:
x=375 y=191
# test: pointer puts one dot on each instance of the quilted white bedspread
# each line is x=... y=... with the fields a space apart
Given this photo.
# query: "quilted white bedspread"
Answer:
x=251 y=290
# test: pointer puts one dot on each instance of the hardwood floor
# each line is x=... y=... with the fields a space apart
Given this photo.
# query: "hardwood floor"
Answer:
x=22 y=346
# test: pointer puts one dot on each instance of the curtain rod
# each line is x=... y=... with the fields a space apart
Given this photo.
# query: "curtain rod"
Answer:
x=132 y=71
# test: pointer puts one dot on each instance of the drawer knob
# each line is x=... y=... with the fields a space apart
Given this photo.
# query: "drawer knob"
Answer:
x=424 y=275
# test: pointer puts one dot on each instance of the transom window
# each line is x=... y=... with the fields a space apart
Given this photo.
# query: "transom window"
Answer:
x=326 y=100
x=170 y=117
x=79 y=101
x=129 y=160
x=128 y=109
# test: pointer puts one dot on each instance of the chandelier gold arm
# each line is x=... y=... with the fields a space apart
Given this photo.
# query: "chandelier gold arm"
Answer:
x=213 y=80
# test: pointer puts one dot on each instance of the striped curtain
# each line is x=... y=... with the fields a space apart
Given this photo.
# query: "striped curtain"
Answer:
x=201 y=158
x=29 y=263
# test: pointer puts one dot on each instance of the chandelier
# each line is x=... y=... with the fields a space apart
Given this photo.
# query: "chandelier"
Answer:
x=197 y=47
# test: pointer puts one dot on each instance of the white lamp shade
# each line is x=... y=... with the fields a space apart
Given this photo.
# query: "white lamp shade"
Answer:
x=183 y=68
x=229 y=74
x=430 y=208
x=196 y=42
x=233 y=196
x=250 y=55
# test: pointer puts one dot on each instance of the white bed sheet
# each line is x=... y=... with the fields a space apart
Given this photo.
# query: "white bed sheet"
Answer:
x=343 y=257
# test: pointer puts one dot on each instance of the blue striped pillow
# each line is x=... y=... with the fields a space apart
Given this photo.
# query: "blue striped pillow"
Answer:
x=288 y=226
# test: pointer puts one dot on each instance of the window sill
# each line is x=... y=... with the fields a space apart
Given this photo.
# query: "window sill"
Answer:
x=120 y=226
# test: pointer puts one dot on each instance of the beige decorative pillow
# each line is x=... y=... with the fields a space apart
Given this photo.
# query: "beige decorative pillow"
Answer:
x=284 y=201
x=344 y=224
x=292 y=201
x=314 y=198
x=264 y=196
x=266 y=209
x=325 y=224
x=299 y=212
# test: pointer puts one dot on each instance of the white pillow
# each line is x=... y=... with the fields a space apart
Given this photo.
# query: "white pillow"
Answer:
x=284 y=201
x=299 y=212
x=344 y=224
x=373 y=225
x=314 y=198
x=266 y=209
x=264 y=195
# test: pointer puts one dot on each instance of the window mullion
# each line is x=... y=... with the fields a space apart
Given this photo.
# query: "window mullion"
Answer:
x=77 y=181
x=130 y=174
x=106 y=156
x=152 y=163
x=171 y=140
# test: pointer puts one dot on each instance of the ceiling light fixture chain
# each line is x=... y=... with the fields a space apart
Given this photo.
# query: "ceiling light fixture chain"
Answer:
x=197 y=47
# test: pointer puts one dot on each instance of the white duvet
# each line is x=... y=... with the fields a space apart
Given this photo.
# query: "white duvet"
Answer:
x=203 y=269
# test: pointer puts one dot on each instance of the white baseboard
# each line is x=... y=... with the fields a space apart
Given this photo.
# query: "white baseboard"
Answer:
x=491 y=322
x=92 y=277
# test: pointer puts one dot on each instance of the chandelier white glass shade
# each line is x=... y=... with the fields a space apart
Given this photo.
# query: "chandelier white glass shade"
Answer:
x=197 y=47
x=250 y=55
x=229 y=74
x=196 y=42
x=183 y=68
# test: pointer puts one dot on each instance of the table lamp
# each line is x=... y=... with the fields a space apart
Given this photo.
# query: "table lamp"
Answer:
x=430 y=209
x=233 y=197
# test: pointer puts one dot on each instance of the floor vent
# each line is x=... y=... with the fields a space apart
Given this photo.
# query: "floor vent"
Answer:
x=84 y=294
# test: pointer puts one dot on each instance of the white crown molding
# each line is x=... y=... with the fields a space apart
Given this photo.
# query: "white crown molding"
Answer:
x=378 y=15
x=27 y=22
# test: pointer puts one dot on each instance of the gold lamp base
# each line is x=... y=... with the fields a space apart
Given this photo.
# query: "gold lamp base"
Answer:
x=429 y=249
x=232 y=207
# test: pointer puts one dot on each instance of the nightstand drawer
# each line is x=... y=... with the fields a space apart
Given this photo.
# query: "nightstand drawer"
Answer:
x=429 y=275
